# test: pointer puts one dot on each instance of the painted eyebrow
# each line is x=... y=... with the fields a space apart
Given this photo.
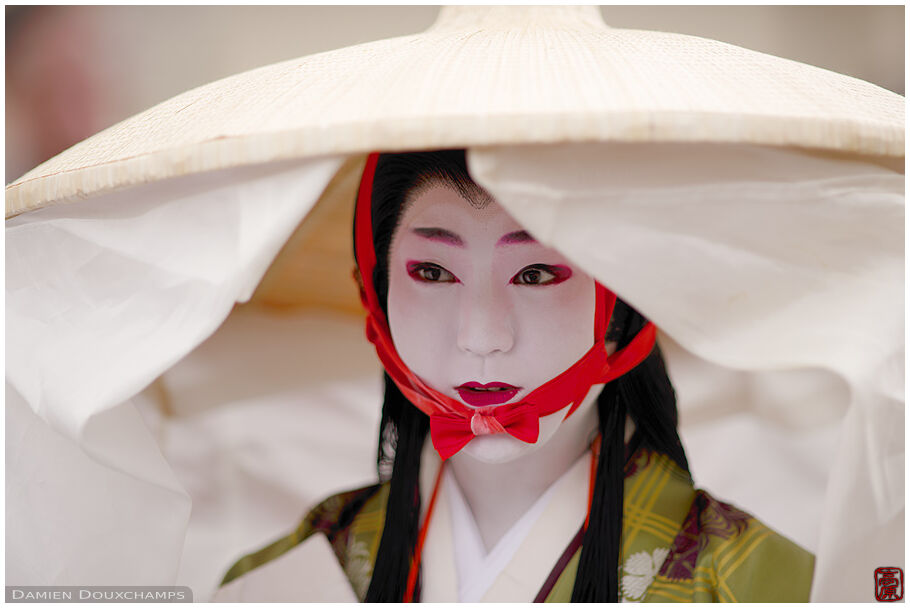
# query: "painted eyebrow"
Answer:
x=519 y=236
x=439 y=234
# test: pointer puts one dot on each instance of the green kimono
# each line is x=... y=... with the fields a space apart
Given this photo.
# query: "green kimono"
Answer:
x=679 y=544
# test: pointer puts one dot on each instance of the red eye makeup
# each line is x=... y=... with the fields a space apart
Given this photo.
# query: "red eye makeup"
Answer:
x=428 y=272
x=539 y=275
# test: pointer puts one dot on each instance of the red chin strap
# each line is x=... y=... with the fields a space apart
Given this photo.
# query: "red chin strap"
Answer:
x=452 y=423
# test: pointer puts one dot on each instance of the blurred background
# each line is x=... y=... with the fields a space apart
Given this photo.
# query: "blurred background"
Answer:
x=72 y=71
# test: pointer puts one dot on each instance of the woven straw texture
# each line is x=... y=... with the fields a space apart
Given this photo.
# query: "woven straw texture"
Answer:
x=481 y=76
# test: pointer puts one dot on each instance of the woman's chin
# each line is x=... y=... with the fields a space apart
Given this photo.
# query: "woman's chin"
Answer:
x=496 y=449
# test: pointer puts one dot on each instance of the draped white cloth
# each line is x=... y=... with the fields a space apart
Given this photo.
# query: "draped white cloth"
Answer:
x=775 y=276
x=757 y=260
x=102 y=297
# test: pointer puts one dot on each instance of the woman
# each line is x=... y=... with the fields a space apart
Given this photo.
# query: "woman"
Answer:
x=558 y=473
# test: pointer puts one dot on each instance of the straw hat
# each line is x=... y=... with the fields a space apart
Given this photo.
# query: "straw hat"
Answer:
x=481 y=76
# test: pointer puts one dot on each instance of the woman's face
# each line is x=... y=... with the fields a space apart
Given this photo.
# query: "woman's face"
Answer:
x=479 y=310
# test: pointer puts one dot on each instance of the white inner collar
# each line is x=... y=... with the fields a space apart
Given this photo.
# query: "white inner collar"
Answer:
x=477 y=569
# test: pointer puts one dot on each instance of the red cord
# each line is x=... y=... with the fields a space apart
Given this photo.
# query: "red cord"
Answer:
x=421 y=537
x=595 y=453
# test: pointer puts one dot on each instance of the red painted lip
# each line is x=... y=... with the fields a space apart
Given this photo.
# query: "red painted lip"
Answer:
x=474 y=393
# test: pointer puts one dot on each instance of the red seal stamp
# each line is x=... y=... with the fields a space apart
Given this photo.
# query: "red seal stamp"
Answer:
x=889 y=584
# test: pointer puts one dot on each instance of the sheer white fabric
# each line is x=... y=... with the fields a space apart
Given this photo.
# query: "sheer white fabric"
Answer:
x=759 y=260
x=103 y=296
x=775 y=276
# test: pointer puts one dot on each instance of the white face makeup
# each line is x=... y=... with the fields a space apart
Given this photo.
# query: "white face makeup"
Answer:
x=483 y=313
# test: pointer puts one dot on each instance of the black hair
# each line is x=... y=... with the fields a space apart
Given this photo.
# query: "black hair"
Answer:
x=645 y=394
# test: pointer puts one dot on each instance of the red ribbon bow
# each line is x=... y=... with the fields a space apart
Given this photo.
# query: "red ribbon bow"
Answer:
x=451 y=432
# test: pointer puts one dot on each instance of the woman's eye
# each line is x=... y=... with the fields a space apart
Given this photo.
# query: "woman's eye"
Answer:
x=430 y=273
x=541 y=274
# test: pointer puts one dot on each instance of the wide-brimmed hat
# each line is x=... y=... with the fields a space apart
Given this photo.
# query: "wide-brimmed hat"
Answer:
x=481 y=76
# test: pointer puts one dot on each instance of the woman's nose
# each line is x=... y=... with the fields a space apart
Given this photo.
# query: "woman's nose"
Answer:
x=486 y=320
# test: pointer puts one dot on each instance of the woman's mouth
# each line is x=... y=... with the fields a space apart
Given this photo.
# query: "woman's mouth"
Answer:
x=493 y=393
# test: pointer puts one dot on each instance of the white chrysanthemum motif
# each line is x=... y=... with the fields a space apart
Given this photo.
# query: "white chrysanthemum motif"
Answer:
x=638 y=572
x=359 y=568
